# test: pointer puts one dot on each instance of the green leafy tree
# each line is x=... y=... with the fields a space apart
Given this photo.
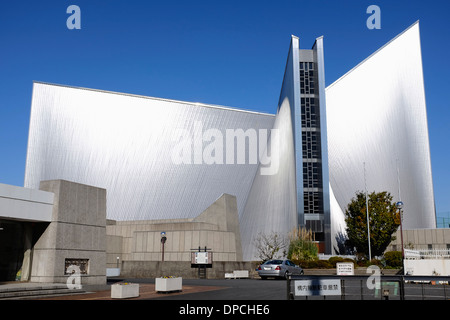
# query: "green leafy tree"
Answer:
x=393 y=259
x=383 y=220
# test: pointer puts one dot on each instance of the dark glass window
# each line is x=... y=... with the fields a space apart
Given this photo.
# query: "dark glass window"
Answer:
x=311 y=148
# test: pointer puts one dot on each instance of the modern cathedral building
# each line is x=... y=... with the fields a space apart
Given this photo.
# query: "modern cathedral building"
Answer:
x=162 y=159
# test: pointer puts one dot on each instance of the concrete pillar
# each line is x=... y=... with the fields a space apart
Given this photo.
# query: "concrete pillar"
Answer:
x=76 y=234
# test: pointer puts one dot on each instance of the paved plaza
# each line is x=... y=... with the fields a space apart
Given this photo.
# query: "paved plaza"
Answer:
x=263 y=290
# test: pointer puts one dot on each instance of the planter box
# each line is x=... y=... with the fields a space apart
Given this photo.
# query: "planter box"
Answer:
x=237 y=274
x=168 y=284
x=123 y=291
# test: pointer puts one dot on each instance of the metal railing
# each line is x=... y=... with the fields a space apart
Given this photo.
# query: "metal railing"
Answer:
x=427 y=254
x=358 y=288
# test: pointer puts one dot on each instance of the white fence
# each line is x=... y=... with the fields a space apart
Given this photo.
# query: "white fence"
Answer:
x=427 y=254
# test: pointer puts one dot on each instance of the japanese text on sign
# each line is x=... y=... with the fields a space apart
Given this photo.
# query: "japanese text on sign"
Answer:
x=324 y=287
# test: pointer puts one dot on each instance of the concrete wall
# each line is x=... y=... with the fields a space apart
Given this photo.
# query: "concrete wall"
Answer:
x=114 y=251
x=428 y=267
x=420 y=239
x=77 y=231
x=217 y=228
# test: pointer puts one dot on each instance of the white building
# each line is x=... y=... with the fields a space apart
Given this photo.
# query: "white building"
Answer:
x=165 y=159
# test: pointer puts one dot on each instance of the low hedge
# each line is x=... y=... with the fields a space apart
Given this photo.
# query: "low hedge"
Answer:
x=334 y=260
x=392 y=259
x=314 y=264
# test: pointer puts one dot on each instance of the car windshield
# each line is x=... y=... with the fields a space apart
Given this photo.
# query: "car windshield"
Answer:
x=274 y=262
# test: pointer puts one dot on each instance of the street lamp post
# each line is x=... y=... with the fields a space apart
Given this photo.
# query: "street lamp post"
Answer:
x=163 y=241
x=367 y=214
x=400 y=207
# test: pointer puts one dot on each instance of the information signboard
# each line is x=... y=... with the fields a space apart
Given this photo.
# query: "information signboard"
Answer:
x=345 y=269
x=201 y=258
x=318 y=287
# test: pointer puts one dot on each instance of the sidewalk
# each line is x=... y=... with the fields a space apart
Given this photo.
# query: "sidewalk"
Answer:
x=146 y=291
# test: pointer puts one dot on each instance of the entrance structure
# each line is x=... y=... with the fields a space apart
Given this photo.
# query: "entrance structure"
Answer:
x=46 y=231
x=24 y=215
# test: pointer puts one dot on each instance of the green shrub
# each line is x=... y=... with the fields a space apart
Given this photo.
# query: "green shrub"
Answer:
x=334 y=260
x=323 y=264
x=313 y=264
x=337 y=259
x=301 y=263
x=393 y=259
x=376 y=262
x=367 y=263
x=300 y=249
x=302 y=245
x=350 y=260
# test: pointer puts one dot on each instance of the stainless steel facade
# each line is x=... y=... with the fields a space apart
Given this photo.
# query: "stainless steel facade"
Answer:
x=375 y=114
x=125 y=144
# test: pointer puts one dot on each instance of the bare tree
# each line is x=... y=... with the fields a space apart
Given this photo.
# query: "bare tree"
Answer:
x=270 y=246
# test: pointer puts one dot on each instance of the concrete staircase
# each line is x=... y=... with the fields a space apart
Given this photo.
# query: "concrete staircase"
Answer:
x=28 y=290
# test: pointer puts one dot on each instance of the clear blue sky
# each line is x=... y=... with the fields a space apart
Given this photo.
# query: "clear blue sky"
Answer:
x=230 y=53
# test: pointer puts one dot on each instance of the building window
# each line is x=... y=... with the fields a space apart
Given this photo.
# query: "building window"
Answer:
x=311 y=143
x=314 y=225
x=312 y=175
x=310 y=113
x=312 y=201
x=307 y=78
